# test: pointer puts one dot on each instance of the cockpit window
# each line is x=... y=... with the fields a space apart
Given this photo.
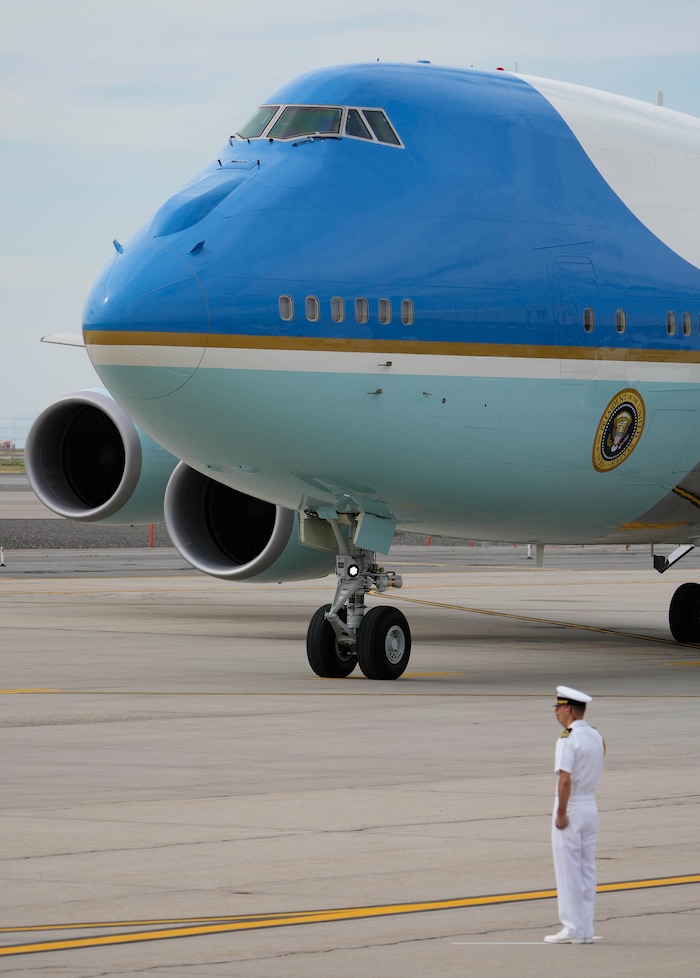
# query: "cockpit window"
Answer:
x=354 y=126
x=256 y=126
x=304 y=120
x=294 y=121
x=381 y=126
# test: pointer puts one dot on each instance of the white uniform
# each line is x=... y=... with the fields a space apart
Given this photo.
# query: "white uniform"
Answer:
x=580 y=751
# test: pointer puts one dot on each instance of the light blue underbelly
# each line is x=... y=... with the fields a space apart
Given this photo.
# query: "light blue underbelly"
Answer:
x=476 y=457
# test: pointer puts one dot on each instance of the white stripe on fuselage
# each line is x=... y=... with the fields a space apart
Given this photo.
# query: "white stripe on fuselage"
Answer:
x=421 y=365
x=649 y=156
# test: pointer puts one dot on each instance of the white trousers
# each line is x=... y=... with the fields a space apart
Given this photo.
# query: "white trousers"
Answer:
x=573 y=849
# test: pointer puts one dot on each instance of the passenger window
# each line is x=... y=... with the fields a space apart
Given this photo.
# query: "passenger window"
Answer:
x=620 y=320
x=588 y=320
x=354 y=126
x=384 y=311
x=337 y=309
x=407 y=312
x=286 y=304
x=381 y=126
x=313 y=309
x=687 y=324
x=671 y=323
x=361 y=311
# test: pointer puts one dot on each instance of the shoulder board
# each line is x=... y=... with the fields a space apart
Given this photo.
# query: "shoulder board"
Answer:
x=565 y=734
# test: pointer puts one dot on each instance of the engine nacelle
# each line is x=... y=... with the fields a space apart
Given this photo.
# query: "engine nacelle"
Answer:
x=87 y=460
x=227 y=534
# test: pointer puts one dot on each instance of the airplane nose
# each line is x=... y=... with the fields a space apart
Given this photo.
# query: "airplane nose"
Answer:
x=146 y=322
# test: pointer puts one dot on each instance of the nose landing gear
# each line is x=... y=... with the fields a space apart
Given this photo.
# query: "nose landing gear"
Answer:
x=342 y=634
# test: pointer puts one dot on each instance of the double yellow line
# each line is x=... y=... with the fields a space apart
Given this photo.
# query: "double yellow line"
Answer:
x=163 y=930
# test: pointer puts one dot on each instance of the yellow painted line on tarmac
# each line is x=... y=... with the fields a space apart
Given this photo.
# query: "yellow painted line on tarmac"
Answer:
x=406 y=675
x=538 y=621
x=648 y=884
x=517 y=581
x=10 y=692
x=422 y=675
x=206 y=926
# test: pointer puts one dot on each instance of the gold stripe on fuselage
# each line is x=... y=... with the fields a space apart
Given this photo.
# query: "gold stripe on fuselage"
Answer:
x=95 y=337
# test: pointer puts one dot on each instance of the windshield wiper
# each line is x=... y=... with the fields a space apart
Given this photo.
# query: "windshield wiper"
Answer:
x=312 y=136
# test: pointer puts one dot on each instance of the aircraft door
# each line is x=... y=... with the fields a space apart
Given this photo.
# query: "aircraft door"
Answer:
x=578 y=290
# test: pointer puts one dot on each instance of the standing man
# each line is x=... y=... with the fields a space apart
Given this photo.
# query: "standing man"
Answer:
x=578 y=761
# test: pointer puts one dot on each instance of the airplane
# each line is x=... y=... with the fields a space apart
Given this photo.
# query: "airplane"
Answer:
x=402 y=296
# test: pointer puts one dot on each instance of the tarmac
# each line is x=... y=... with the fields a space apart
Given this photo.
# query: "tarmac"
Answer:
x=181 y=796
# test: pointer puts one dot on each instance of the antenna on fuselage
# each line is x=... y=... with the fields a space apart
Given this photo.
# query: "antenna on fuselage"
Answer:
x=659 y=97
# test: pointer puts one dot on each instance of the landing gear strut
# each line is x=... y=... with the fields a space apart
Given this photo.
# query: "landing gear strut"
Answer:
x=684 y=610
x=341 y=634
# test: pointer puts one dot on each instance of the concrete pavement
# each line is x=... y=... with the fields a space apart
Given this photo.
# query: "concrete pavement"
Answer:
x=170 y=767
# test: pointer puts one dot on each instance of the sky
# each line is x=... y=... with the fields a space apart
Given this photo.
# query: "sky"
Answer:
x=107 y=108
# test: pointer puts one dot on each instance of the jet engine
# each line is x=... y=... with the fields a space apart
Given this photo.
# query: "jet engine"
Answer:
x=225 y=533
x=87 y=460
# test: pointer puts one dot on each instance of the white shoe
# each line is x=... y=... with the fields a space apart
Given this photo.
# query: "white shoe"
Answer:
x=563 y=937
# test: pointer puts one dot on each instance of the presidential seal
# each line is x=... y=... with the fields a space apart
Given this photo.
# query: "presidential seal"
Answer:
x=619 y=430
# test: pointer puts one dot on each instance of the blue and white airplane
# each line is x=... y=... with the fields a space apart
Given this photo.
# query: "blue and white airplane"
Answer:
x=403 y=296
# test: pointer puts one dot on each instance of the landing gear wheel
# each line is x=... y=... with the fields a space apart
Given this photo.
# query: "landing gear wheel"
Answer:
x=325 y=657
x=684 y=613
x=383 y=643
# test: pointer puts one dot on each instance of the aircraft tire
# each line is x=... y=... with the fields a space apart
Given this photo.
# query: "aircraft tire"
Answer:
x=325 y=658
x=684 y=613
x=383 y=643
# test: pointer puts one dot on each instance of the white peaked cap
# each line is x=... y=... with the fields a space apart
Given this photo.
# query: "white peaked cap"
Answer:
x=565 y=694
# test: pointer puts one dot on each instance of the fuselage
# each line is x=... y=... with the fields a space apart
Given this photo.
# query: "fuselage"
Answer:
x=485 y=325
